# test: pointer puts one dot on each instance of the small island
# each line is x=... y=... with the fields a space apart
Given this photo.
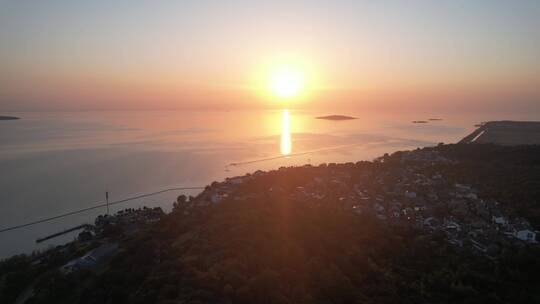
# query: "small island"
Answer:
x=8 y=117
x=419 y=121
x=336 y=117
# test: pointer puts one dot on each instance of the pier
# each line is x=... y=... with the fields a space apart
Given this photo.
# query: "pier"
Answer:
x=83 y=226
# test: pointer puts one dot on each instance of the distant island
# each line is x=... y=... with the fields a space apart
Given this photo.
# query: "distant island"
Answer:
x=8 y=117
x=426 y=121
x=336 y=117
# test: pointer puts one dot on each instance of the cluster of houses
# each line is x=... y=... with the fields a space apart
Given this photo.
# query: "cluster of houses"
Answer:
x=410 y=193
x=92 y=259
x=130 y=220
x=432 y=203
x=127 y=221
x=457 y=210
x=403 y=195
x=217 y=192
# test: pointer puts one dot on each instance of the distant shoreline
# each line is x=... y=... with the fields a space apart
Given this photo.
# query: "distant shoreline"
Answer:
x=505 y=132
x=9 y=117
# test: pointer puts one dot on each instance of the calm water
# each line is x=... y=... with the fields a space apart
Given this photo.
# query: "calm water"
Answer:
x=57 y=162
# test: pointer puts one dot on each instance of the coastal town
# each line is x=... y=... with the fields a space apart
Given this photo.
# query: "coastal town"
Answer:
x=400 y=197
x=404 y=195
x=411 y=196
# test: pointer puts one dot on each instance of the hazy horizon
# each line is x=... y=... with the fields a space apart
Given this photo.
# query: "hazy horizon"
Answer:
x=247 y=151
x=388 y=55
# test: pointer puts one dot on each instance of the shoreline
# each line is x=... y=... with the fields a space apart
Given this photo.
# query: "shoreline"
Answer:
x=416 y=198
x=232 y=179
x=476 y=134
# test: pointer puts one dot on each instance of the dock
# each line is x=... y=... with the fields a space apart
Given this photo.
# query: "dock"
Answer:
x=83 y=226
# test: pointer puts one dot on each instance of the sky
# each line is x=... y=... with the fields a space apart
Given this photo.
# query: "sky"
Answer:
x=393 y=55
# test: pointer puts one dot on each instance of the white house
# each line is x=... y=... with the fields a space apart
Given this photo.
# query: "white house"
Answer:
x=526 y=235
x=500 y=220
x=91 y=259
x=451 y=225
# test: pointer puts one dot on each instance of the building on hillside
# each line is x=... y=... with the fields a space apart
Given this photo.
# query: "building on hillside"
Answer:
x=525 y=234
x=92 y=259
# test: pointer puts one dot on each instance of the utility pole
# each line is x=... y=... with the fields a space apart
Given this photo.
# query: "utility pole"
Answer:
x=107 y=199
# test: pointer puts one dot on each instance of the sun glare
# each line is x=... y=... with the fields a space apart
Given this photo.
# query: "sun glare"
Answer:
x=286 y=82
x=286 y=145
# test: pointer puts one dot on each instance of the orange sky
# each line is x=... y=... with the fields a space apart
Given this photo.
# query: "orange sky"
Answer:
x=141 y=55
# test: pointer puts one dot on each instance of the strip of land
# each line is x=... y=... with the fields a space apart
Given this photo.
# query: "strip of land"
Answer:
x=510 y=133
x=8 y=117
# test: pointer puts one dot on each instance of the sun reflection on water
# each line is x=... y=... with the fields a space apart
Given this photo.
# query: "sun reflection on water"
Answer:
x=286 y=145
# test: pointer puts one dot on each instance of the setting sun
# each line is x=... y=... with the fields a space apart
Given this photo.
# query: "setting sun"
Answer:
x=269 y=151
x=286 y=82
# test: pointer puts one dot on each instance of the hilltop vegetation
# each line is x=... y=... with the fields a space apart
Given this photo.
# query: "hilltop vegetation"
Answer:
x=266 y=243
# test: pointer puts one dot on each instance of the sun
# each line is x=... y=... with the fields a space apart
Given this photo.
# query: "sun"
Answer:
x=286 y=81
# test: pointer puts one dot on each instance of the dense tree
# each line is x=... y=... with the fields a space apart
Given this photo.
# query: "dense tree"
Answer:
x=278 y=248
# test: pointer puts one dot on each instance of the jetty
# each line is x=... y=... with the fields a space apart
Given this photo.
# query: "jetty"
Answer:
x=83 y=226
x=3 y=117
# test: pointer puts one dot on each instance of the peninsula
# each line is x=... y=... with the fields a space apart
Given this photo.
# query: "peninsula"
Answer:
x=506 y=132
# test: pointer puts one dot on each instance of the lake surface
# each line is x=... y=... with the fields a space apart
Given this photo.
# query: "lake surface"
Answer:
x=52 y=163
